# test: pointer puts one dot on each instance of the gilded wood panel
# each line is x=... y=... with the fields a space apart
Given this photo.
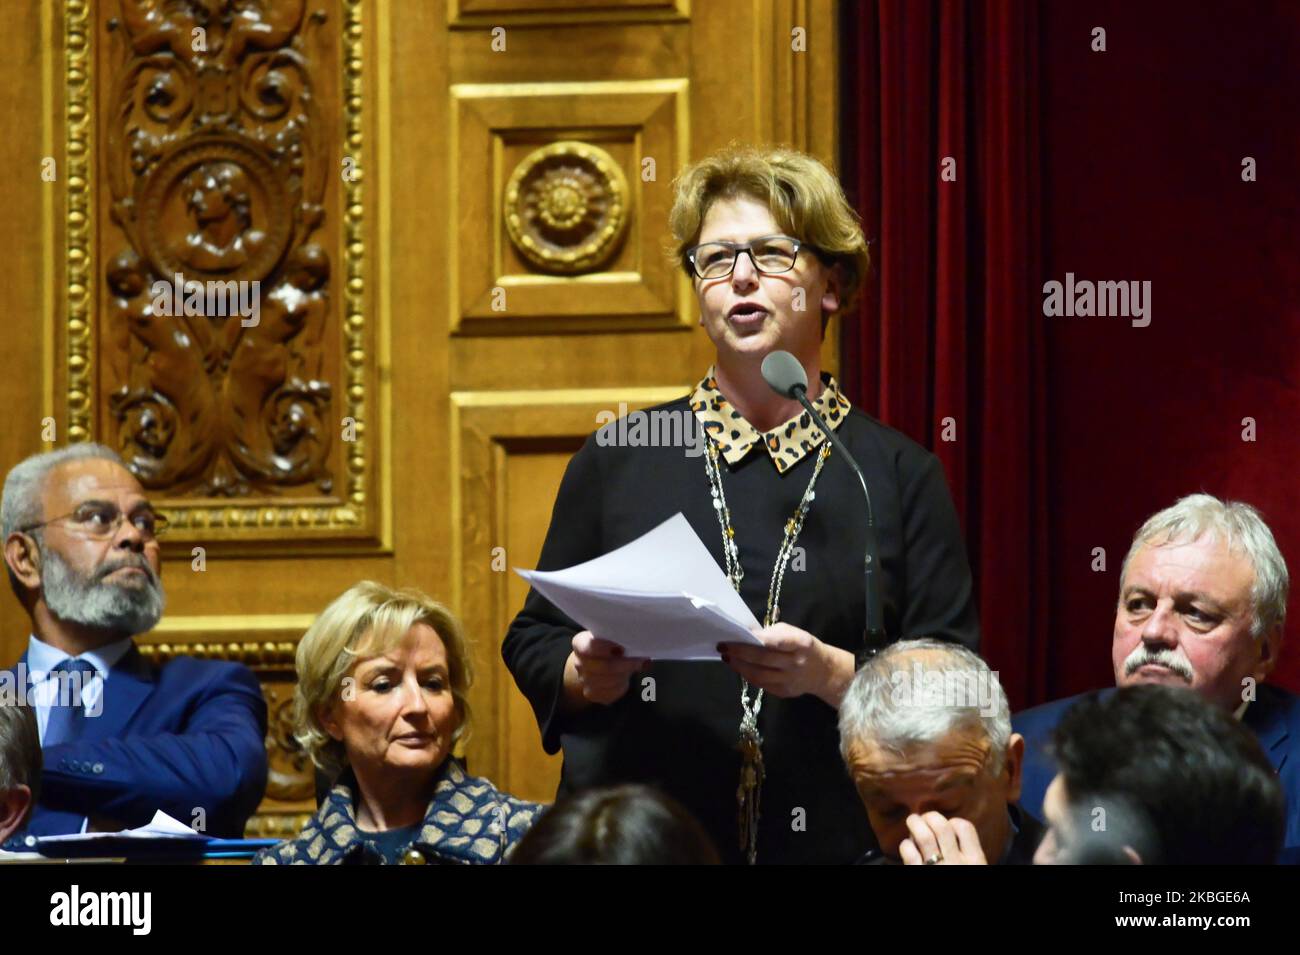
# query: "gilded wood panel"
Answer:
x=574 y=229
x=509 y=452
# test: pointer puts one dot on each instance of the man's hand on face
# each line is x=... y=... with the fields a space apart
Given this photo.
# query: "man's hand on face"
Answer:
x=936 y=840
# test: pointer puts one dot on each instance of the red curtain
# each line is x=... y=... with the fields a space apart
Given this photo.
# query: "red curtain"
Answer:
x=1124 y=164
x=941 y=147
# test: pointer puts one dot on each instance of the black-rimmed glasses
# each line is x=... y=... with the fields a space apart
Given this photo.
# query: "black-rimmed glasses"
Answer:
x=771 y=255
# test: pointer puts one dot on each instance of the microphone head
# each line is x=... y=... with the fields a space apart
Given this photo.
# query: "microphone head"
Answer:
x=784 y=374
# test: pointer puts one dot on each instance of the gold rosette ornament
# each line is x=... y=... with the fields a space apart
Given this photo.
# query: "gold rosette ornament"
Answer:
x=566 y=207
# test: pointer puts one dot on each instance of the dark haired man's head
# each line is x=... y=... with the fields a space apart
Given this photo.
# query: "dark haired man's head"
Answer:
x=623 y=825
x=1155 y=774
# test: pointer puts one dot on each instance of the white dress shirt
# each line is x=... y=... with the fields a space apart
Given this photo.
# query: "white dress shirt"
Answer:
x=43 y=658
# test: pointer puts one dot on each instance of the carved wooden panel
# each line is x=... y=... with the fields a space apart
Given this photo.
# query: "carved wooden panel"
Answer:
x=509 y=451
x=232 y=356
x=576 y=228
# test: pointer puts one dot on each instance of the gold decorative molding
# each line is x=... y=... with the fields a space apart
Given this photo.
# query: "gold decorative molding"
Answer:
x=276 y=825
x=296 y=516
x=566 y=207
x=252 y=654
x=274 y=638
x=78 y=85
x=354 y=262
x=485 y=14
x=635 y=396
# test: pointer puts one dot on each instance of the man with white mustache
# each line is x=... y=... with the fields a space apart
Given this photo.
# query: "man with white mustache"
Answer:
x=1203 y=595
x=120 y=736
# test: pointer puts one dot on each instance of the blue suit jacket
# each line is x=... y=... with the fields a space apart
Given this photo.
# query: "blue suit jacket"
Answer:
x=1274 y=716
x=177 y=737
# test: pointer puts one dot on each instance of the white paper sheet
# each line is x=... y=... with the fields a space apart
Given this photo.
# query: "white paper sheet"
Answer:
x=161 y=826
x=662 y=596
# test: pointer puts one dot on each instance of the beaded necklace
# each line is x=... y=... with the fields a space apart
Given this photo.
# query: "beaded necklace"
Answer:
x=751 y=741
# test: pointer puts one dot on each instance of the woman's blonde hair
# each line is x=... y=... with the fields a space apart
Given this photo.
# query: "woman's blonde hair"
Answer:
x=368 y=619
x=804 y=197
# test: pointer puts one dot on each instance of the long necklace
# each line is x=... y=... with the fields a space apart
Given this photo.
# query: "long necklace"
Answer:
x=751 y=741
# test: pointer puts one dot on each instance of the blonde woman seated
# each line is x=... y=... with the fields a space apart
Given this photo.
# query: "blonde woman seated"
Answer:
x=380 y=701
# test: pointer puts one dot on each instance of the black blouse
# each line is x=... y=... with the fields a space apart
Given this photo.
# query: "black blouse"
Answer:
x=680 y=732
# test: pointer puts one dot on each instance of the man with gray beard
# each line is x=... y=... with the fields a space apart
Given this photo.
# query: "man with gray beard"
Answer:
x=1202 y=602
x=120 y=738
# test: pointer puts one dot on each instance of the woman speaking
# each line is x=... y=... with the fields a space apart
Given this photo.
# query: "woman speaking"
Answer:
x=749 y=743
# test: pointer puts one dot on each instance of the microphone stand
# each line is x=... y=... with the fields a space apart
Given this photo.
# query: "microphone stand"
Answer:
x=874 y=638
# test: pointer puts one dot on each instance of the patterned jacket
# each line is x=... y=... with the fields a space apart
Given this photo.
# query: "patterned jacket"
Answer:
x=469 y=822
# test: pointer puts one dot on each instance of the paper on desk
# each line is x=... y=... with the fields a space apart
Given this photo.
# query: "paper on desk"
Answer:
x=662 y=596
x=161 y=826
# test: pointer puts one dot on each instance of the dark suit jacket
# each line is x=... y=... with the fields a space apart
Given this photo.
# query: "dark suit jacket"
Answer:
x=1029 y=833
x=183 y=736
x=1274 y=716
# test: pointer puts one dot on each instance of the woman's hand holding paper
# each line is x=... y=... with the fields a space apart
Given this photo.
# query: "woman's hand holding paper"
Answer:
x=792 y=662
x=597 y=671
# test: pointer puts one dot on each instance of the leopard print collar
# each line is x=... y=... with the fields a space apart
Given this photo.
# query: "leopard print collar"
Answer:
x=786 y=445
